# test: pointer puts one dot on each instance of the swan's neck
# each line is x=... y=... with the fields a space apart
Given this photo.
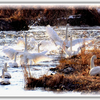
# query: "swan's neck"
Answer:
x=2 y=73
x=25 y=59
x=15 y=57
x=25 y=42
x=39 y=48
x=5 y=67
x=71 y=43
x=67 y=31
x=92 y=63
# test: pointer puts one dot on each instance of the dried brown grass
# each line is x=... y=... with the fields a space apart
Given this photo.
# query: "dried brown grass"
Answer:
x=79 y=80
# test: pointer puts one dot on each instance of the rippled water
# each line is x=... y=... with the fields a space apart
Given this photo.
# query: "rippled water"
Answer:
x=16 y=88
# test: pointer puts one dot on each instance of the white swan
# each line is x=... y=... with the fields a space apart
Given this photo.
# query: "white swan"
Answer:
x=9 y=52
x=38 y=57
x=24 y=53
x=47 y=45
x=56 y=39
x=13 y=63
x=76 y=45
x=73 y=47
x=32 y=43
x=53 y=35
x=94 y=69
x=6 y=74
x=20 y=41
x=4 y=81
x=79 y=41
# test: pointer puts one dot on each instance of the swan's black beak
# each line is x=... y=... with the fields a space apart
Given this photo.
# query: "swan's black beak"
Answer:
x=39 y=44
x=66 y=47
x=17 y=53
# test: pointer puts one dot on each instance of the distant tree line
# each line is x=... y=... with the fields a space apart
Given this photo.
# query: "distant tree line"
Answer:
x=19 y=18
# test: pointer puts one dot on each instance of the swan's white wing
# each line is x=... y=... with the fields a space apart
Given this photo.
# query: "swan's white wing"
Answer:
x=12 y=64
x=95 y=70
x=20 y=40
x=37 y=57
x=32 y=42
x=47 y=45
x=7 y=75
x=80 y=41
x=52 y=34
x=9 y=52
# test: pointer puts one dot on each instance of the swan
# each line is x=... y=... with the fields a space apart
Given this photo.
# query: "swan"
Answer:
x=14 y=63
x=73 y=47
x=25 y=56
x=79 y=41
x=55 y=38
x=94 y=69
x=32 y=43
x=52 y=34
x=20 y=41
x=9 y=52
x=61 y=44
x=6 y=74
x=47 y=46
x=24 y=53
x=38 y=57
x=3 y=80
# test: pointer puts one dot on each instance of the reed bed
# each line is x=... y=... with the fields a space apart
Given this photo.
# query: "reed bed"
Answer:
x=78 y=80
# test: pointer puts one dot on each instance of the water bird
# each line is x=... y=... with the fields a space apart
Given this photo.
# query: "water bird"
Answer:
x=25 y=56
x=8 y=51
x=61 y=44
x=47 y=45
x=6 y=73
x=94 y=70
x=4 y=81
x=54 y=36
x=24 y=53
x=73 y=47
x=20 y=41
x=38 y=57
x=31 y=43
x=80 y=41
x=14 y=63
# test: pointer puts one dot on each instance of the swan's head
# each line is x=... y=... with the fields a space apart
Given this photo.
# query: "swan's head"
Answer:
x=16 y=53
x=92 y=61
x=5 y=64
x=48 y=25
x=39 y=44
x=93 y=57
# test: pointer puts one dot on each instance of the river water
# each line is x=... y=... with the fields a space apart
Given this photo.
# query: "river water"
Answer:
x=16 y=88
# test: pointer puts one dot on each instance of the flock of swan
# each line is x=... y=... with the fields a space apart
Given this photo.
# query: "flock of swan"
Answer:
x=70 y=48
